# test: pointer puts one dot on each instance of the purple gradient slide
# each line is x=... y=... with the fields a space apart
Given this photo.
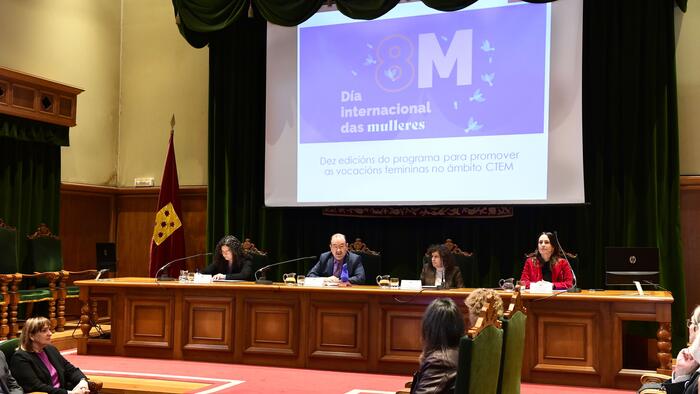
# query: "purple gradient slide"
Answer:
x=454 y=74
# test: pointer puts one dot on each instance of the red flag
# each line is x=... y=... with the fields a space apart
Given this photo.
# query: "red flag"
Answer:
x=168 y=241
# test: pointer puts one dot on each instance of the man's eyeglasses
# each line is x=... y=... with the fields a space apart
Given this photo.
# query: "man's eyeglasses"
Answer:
x=689 y=323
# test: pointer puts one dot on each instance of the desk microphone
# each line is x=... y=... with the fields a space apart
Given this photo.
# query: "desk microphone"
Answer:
x=656 y=286
x=167 y=278
x=573 y=288
x=100 y=272
x=262 y=281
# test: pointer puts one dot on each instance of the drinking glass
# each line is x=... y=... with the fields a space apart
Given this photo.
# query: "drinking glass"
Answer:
x=394 y=283
x=183 y=276
x=300 y=280
x=190 y=276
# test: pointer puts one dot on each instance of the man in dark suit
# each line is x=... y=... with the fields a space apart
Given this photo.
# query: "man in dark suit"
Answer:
x=8 y=384
x=331 y=264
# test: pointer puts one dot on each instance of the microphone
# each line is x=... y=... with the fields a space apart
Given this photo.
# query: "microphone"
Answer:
x=161 y=269
x=573 y=288
x=656 y=286
x=100 y=272
x=262 y=281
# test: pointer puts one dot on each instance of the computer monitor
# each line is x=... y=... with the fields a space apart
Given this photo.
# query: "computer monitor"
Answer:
x=623 y=265
x=106 y=253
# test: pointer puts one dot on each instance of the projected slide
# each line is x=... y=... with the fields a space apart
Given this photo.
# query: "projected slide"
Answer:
x=424 y=106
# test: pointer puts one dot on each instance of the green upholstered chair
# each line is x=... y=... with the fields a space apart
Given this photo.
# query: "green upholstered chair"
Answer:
x=53 y=283
x=8 y=347
x=514 y=323
x=8 y=267
x=38 y=283
x=480 y=354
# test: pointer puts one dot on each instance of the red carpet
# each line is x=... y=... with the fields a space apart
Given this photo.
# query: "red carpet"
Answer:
x=236 y=378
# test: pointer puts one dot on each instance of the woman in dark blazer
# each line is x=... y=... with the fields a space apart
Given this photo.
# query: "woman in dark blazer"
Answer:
x=229 y=262
x=38 y=366
x=442 y=327
x=441 y=270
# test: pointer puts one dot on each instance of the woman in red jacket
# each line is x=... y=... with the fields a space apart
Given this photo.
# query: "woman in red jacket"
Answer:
x=547 y=264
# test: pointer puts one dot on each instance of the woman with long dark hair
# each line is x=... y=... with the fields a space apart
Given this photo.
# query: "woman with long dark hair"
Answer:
x=443 y=326
x=229 y=263
x=547 y=263
x=441 y=269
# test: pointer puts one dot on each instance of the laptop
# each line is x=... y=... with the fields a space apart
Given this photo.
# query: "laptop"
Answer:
x=623 y=265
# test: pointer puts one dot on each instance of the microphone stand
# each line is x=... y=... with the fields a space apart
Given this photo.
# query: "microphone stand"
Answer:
x=574 y=288
x=167 y=278
x=261 y=279
x=102 y=271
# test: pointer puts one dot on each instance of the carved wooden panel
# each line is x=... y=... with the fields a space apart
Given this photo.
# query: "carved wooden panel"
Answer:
x=150 y=321
x=272 y=326
x=209 y=323
x=27 y=96
x=338 y=330
x=401 y=332
x=566 y=342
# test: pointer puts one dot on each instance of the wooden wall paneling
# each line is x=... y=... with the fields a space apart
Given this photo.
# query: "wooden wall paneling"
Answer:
x=135 y=215
x=87 y=216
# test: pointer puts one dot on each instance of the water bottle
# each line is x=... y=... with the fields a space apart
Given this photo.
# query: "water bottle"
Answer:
x=344 y=274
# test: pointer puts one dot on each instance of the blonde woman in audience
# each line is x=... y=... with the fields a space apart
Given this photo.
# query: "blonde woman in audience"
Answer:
x=443 y=326
x=476 y=300
x=39 y=366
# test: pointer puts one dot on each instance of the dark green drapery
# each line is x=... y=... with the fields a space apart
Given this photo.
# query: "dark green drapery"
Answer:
x=30 y=175
x=630 y=136
x=198 y=20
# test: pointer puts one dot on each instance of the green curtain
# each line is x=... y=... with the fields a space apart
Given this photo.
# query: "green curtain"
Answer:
x=30 y=176
x=198 y=20
x=631 y=163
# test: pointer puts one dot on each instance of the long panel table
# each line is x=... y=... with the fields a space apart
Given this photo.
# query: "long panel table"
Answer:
x=572 y=338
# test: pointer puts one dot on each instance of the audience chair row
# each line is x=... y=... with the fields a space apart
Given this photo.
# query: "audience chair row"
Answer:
x=48 y=283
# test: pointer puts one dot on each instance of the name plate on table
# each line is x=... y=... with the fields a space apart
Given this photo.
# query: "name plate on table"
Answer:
x=408 y=284
x=201 y=278
x=541 y=287
x=314 y=282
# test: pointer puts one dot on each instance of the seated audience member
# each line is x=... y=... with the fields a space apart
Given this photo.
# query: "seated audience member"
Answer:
x=8 y=384
x=441 y=271
x=443 y=326
x=684 y=379
x=38 y=366
x=476 y=300
x=229 y=263
x=547 y=264
x=332 y=264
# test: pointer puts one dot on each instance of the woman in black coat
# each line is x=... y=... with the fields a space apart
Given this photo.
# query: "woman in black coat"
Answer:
x=229 y=263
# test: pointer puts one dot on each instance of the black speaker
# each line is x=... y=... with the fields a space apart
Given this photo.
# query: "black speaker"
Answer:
x=106 y=253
